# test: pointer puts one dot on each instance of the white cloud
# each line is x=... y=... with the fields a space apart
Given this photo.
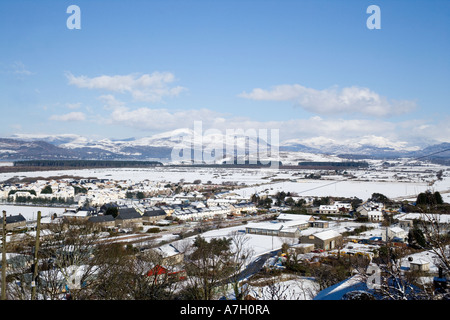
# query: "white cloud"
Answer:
x=426 y=131
x=73 y=105
x=160 y=119
x=315 y=131
x=72 y=116
x=16 y=69
x=349 y=100
x=19 y=68
x=147 y=87
x=149 y=119
x=110 y=101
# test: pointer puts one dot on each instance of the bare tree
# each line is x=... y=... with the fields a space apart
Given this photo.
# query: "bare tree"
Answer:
x=436 y=234
x=242 y=254
x=67 y=255
x=276 y=289
x=395 y=284
x=112 y=276
x=18 y=268
x=208 y=267
x=154 y=277
x=18 y=277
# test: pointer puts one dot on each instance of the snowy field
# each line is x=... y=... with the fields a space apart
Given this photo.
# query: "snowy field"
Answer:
x=30 y=212
x=398 y=182
x=162 y=174
x=261 y=244
x=283 y=287
x=258 y=243
x=359 y=189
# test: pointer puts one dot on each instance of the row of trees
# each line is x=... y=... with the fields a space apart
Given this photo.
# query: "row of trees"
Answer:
x=86 y=163
x=429 y=198
x=42 y=201
x=33 y=199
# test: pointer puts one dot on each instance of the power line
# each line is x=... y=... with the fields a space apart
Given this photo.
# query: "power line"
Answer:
x=431 y=154
x=322 y=186
x=336 y=182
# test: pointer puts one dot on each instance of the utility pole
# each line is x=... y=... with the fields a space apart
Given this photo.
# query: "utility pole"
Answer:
x=35 y=262
x=4 y=256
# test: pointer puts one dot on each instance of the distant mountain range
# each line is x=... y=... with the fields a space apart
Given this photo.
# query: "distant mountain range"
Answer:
x=160 y=146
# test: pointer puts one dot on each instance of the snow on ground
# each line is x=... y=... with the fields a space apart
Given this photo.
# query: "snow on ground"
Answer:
x=336 y=291
x=427 y=256
x=259 y=243
x=164 y=174
x=323 y=188
x=30 y=212
x=284 y=287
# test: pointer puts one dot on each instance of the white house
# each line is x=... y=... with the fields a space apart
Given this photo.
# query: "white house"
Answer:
x=328 y=209
x=273 y=228
x=220 y=211
x=220 y=202
x=419 y=265
x=364 y=209
x=301 y=221
x=406 y=220
x=343 y=206
x=247 y=207
x=375 y=215
x=23 y=194
x=395 y=233
x=335 y=208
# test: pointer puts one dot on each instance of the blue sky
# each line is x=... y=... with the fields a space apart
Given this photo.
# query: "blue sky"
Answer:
x=311 y=69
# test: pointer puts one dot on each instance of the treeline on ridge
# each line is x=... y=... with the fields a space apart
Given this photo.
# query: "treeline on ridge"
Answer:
x=86 y=163
x=345 y=164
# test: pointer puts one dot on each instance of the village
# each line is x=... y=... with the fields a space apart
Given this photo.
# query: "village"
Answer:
x=280 y=228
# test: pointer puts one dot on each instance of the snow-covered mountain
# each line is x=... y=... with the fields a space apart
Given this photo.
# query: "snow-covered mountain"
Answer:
x=53 y=139
x=15 y=149
x=158 y=146
x=161 y=146
x=366 y=145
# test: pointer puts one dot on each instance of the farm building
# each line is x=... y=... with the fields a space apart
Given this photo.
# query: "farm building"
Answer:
x=326 y=240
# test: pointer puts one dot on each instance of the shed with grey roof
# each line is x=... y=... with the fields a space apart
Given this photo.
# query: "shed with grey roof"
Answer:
x=153 y=215
x=128 y=217
x=14 y=222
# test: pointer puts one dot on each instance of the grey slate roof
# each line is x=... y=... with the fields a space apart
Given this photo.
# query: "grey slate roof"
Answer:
x=154 y=213
x=128 y=213
x=14 y=219
x=105 y=218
